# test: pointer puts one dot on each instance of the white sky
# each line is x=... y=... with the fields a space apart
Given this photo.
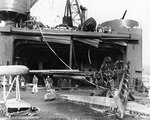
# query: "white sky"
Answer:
x=50 y=12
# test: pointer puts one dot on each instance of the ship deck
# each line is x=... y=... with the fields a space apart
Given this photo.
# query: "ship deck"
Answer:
x=59 y=109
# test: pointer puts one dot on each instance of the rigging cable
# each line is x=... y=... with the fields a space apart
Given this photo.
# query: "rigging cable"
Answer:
x=53 y=50
x=63 y=61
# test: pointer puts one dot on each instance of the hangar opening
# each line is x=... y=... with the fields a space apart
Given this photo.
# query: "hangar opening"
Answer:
x=38 y=56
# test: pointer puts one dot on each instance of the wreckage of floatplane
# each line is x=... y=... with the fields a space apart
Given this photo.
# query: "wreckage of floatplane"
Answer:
x=14 y=106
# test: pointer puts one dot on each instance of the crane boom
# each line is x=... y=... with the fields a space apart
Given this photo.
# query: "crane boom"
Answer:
x=74 y=13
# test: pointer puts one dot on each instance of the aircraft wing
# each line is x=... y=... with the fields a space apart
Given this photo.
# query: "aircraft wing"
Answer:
x=138 y=108
x=94 y=100
x=132 y=107
x=63 y=73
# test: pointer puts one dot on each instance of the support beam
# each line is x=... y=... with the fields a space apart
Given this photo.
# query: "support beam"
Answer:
x=70 y=54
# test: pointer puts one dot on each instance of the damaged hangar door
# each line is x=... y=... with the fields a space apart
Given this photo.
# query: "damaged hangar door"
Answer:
x=35 y=54
x=90 y=58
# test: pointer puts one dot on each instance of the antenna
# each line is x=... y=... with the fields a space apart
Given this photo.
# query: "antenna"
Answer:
x=124 y=14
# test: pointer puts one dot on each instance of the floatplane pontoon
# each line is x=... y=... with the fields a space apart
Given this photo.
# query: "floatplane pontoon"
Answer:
x=14 y=106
